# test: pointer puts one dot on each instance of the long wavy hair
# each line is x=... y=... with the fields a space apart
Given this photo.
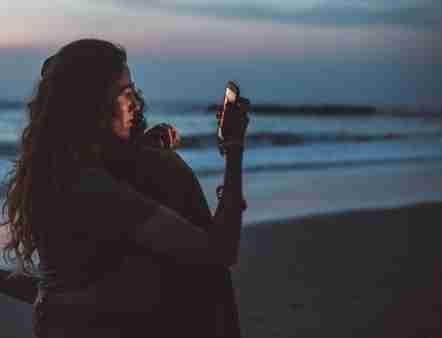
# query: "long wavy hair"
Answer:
x=70 y=126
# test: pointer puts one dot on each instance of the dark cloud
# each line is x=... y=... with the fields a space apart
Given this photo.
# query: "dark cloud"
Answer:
x=422 y=14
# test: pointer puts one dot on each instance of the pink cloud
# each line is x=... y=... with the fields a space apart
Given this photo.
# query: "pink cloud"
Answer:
x=165 y=35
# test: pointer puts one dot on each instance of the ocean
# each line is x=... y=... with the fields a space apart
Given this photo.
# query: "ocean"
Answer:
x=299 y=144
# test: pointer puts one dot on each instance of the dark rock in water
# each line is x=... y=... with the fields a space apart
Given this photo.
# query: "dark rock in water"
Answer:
x=327 y=109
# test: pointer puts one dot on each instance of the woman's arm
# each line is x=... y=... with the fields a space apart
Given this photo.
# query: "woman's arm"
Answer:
x=169 y=233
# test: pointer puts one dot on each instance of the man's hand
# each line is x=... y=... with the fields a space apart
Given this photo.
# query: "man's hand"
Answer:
x=163 y=136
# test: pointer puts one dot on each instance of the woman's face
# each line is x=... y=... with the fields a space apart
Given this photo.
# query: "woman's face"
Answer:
x=127 y=105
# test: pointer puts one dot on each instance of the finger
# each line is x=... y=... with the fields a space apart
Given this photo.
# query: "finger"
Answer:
x=172 y=137
x=176 y=136
x=169 y=134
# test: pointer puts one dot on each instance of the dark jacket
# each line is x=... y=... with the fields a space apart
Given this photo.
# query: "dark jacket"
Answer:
x=204 y=296
x=195 y=300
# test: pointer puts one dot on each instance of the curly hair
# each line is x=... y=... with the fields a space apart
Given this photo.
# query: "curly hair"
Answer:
x=70 y=126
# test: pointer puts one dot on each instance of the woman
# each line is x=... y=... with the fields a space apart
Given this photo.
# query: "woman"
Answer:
x=72 y=197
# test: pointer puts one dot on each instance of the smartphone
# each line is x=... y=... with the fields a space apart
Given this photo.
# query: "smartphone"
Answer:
x=231 y=96
x=232 y=93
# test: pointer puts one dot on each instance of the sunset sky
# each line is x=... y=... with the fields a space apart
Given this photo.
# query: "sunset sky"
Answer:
x=303 y=51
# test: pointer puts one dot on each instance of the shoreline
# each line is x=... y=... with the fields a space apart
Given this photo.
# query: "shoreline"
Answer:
x=275 y=196
x=366 y=273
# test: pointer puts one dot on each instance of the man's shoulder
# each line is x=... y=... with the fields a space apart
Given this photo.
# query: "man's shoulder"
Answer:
x=163 y=160
x=93 y=179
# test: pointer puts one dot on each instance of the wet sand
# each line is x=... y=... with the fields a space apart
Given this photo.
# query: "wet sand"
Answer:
x=373 y=273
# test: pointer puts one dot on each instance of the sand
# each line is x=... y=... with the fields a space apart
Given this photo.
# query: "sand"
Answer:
x=357 y=274
x=373 y=273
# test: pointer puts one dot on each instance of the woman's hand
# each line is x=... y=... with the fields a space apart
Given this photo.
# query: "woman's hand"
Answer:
x=234 y=120
x=162 y=135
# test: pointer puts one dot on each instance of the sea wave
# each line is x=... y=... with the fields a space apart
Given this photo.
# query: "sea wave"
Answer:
x=11 y=104
x=301 y=166
x=275 y=167
x=9 y=149
x=256 y=140
x=293 y=139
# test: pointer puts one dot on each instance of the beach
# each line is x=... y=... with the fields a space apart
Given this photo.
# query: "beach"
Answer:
x=345 y=252
x=371 y=273
x=342 y=162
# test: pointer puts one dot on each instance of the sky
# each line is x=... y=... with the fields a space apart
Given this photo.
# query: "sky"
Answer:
x=281 y=51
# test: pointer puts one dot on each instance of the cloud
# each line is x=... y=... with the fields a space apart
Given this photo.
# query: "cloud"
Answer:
x=325 y=13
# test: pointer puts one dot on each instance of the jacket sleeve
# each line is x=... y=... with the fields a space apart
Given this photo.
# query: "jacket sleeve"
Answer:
x=104 y=209
x=114 y=211
x=165 y=176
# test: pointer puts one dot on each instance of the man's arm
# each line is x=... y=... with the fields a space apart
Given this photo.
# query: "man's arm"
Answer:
x=22 y=288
